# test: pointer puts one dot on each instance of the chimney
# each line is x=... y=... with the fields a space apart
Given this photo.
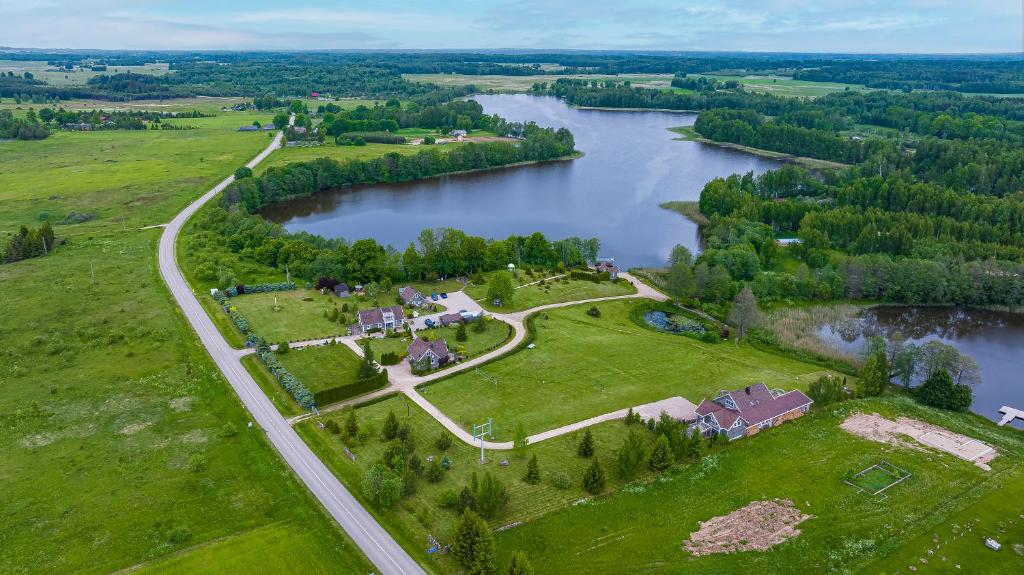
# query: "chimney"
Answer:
x=747 y=389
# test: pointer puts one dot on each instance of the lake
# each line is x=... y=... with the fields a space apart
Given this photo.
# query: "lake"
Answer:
x=632 y=163
x=994 y=339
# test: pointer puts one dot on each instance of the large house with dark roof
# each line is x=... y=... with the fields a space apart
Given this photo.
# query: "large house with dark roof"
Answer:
x=747 y=411
x=436 y=351
x=381 y=318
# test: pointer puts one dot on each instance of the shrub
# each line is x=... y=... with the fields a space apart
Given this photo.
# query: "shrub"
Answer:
x=283 y=347
x=300 y=392
x=460 y=333
x=560 y=480
x=352 y=425
x=444 y=441
x=435 y=473
x=448 y=499
x=520 y=564
x=940 y=391
x=593 y=311
x=826 y=390
x=631 y=454
x=593 y=478
x=390 y=430
x=532 y=475
x=383 y=485
x=491 y=496
x=662 y=457
x=586 y=447
x=243 y=172
x=228 y=430
x=332 y=427
x=198 y=462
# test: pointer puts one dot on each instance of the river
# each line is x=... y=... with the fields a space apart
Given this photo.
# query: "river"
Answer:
x=994 y=339
x=632 y=163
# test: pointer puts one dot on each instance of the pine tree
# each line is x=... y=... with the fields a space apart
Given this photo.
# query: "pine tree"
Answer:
x=874 y=376
x=662 y=457
x=593 y=478
x=435 y=473
x=473 y=545
x=586 y=448
x=491 y=496
x=390 y=430
x=460 y=333
x=520 y=564
x=352 y=425
x=532 y=475
x=631 y=454
x=629 y=417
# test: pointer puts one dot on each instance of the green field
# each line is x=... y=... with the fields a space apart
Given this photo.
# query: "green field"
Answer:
x=786 y=86
x=145 y=176
x=322 y=367
x=120 y=444
x=40 y=70
x=640 y=531
x=418 y=515
x=340 y=153
x=552 y=291
x=584 y=366
x=294 y=315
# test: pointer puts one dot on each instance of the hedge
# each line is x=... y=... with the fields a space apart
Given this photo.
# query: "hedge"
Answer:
x=300 y=392
x=359 y=387
x=596 y=277
x=260 y=289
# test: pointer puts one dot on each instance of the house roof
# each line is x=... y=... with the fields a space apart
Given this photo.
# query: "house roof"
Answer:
x=376 y=315
x=754 y=404
x=409 y=293
x=450 y=317
x=342 y=287
x=420 y=346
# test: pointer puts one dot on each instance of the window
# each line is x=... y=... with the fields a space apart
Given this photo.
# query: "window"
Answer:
x=765 y=424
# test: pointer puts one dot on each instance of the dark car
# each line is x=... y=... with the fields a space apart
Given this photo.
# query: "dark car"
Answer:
x=444 y=295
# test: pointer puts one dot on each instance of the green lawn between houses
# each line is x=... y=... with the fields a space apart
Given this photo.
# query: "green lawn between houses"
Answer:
x=322 y=367
x=107 y=395
x=584 y=366
x=552 y=291
x=641 y=530
x=418 y=515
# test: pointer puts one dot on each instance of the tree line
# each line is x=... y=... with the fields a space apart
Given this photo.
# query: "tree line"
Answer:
x=29 y=243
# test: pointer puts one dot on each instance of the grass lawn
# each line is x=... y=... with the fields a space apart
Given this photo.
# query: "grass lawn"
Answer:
x=382 y=345
x=584 y=366
x=322 y=367
x=341 y=153
x=495 y=333
x=552 y=291
x=299 y=314
x=107 y=394
x=418 y=515
x=281 y=399
x=640 y=531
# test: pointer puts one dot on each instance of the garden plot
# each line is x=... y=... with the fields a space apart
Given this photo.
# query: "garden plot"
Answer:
x=877 y=428
x=758 y=526
x=877 y=478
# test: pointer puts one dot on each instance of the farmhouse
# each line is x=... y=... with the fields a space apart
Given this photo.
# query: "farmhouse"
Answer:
x=410 y=296
x=459 y=135
x=436 y=352
x=606 y=265
x=381 y=318
x=747 y=411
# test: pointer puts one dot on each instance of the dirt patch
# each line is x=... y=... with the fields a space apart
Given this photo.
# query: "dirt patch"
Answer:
x=758 y=526
x=38 y=440
x=194 y=437
x=877 y=428
x=134 y=428
x=181 y=403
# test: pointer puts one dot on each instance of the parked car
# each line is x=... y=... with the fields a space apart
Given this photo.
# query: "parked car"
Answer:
x=433 y=296
x=429 y=322
x=444 y=295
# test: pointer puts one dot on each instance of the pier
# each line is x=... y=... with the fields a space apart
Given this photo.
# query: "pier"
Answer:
x=1009 y=414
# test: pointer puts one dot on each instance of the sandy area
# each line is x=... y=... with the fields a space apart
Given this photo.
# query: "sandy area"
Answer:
x=758 y=526
x=877 y=428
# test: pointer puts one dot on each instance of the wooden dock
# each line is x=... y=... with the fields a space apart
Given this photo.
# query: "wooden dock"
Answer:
x=1009 y=414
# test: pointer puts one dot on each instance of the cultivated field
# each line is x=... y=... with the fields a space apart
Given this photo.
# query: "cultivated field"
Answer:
x=40 y=70
x=523 y=83
x=786 y=86
x=583 y=366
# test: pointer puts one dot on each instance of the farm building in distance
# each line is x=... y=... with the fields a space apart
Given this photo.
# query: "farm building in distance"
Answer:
x=747 y=411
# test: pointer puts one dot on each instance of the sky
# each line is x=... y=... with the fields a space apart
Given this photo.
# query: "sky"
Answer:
x=856 y=26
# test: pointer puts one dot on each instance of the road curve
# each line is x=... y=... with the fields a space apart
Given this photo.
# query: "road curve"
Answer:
x=381 y=549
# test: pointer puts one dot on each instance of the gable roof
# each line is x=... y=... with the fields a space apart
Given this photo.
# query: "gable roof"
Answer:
x=754 y=404
x=409 y=293
x=376 y=315
x=419 y=347
x=450 y=318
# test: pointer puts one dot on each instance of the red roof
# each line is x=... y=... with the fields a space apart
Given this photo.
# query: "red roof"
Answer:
x=754 y=404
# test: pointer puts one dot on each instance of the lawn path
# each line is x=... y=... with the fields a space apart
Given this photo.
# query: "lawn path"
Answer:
x=402 y=380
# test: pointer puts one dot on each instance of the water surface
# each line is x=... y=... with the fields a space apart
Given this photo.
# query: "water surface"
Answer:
x=994 y=339
x=631 y=164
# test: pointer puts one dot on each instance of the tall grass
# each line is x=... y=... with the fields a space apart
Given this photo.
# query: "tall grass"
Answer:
x=798 y=328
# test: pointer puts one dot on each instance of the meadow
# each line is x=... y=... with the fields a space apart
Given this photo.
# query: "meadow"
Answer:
x=120 y=444
x=41 y=70
x=584 y=366
x=786 y=86
x=419 y=514
x=551 y=291
x=486 y=83
x=641 y=530
x=322 y=367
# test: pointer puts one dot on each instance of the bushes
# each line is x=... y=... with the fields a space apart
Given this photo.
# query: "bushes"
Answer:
x=596 y=277
x=593 y=311
x=593 y=478
x=826 y=390
x=300 y=392
x=390 y=358
x=940 y=391
x=358 y=387
x=259 y=288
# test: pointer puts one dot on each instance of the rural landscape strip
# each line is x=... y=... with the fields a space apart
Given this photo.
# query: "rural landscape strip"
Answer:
x=378 y=545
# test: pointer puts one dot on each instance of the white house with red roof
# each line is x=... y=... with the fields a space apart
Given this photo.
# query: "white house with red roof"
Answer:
x=749 y=410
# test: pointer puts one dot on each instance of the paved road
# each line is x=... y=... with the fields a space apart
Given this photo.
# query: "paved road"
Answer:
x=368 y=535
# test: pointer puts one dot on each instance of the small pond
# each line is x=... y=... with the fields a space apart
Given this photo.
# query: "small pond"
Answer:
x=672 y=323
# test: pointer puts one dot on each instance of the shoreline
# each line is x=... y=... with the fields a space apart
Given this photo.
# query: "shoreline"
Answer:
x=613 y=109
x=688 y=134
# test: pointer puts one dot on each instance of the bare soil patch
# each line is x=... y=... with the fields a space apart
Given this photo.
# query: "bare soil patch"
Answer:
x=758 y=526
x=877 y=428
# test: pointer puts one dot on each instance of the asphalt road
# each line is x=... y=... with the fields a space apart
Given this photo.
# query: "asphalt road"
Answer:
x=385 y=553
